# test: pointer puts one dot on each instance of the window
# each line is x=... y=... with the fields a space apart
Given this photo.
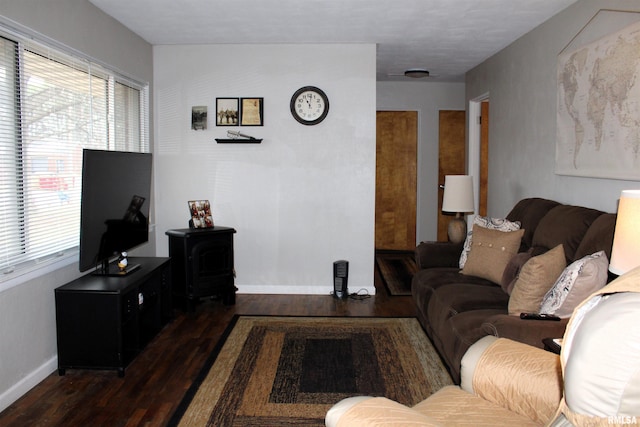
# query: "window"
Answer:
x=52 y=105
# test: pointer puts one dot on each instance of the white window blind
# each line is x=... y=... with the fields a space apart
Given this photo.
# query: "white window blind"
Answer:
x=52 y=105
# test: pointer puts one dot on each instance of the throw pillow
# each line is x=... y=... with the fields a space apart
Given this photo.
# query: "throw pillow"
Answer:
x=490 y=252
x=499 y=224
x=579 y=280
x=536 y=278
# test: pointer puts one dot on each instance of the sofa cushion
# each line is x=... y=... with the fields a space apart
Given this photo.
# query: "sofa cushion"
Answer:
x=451 y=300
x=599 y=237
x=500 y=224
x=512 y=270
x=424 y=282
x=529 y=212
x=564 y=225
x=490 y=252
x=575 y=284
x=535 y=279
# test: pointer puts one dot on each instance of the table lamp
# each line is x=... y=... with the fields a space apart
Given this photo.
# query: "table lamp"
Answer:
x=458 y=198
x=625 y=253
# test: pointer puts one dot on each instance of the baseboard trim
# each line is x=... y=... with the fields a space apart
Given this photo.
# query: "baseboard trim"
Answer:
x=27 y=383
x=298 y=290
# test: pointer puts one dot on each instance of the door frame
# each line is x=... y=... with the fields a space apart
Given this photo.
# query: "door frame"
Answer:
x=474 y=150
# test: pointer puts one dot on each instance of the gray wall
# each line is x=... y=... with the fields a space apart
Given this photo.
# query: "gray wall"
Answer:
x=521 y=83
x=305 y=196
x=27 y=310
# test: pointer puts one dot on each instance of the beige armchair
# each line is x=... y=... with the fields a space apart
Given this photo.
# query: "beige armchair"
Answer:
x=594 y=382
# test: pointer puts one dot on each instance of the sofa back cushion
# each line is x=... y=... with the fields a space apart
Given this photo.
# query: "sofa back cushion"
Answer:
x=529 y=212
x=563 y=225
x=599 y=237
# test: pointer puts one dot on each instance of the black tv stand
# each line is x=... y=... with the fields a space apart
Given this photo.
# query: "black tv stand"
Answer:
x=112 y=270
x=103 y=322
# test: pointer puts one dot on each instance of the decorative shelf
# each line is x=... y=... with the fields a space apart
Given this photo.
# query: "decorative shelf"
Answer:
x=238 y=141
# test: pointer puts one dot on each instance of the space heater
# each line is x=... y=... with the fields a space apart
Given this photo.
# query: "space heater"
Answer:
x=340 y=276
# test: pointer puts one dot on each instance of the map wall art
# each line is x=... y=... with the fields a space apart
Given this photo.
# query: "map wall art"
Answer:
x=598 y=115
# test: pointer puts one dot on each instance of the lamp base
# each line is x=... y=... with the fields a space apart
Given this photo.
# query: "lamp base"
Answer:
x=457 y=230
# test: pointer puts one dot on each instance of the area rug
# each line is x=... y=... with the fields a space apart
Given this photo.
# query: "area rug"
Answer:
x=288 y=371
x=397 y=269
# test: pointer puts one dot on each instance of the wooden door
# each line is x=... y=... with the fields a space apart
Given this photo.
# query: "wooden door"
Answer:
x=396 y=179
x=451 y=158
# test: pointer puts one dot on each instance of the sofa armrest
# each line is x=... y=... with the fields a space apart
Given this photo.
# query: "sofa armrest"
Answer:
x=438 y=254
x=516 y=376
x=526 y=331
x=374 y=412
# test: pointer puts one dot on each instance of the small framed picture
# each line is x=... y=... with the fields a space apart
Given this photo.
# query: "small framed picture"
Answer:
x=200 y=211
x=251 y=111
x=199 y=117
x=227 y=111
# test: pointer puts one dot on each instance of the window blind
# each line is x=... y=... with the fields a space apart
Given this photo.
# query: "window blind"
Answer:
x=52 y=106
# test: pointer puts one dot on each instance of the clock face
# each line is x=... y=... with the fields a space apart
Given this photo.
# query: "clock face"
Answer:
x=309 y=105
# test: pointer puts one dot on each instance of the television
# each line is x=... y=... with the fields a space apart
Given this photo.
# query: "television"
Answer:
x=114 y=212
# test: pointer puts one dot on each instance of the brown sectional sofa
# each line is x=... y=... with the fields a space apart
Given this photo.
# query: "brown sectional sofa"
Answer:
x=457 y=309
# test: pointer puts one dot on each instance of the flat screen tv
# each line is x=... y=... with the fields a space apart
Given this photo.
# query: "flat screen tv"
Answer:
x=114 y=213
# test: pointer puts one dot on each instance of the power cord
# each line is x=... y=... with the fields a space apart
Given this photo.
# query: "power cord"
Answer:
x=362 y=294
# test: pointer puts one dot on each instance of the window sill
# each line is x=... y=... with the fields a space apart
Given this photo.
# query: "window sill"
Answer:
x=37 y=269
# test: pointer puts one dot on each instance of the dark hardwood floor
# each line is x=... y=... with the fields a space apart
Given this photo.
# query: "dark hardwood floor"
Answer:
x=157 y=379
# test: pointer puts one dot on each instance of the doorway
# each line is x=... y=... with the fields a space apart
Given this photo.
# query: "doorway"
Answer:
x=479 y=151
x=452 y=158
x=396 y=180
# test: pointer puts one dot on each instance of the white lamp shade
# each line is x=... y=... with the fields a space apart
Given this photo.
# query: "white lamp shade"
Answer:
x=625 y=253
x=458 y=193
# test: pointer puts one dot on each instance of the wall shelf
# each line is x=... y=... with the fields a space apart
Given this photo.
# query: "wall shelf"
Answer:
x=238 y=141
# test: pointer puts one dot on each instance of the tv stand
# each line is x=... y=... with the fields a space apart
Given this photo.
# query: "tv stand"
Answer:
x=112 y=270
x=103 y=322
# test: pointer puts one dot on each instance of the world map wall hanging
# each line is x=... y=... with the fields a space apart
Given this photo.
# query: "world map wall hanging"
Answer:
x=598 y=114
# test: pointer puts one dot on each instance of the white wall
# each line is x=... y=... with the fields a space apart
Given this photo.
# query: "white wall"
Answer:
x=521 y=82
x=427 y=98
x=27 y=310
x=301 y=199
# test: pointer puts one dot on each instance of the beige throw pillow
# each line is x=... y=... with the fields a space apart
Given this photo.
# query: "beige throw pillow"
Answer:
x=490 y=252
x=500 y=224
x=536 y=277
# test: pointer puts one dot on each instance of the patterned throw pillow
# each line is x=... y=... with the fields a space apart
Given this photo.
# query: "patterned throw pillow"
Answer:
x=579 y=280
x=499 y=224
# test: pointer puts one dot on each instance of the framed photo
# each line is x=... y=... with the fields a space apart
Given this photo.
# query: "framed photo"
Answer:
x=227 y=112
x=200 y=211
x=199 y=117
x=251 y=111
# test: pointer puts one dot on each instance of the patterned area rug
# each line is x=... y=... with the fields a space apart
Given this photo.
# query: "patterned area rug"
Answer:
x=288 y=371
x=397 y=269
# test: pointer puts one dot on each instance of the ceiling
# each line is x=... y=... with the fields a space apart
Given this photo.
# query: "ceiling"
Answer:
x=446 y=37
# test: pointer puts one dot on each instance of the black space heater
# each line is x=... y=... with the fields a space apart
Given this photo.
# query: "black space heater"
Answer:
x=340 y=276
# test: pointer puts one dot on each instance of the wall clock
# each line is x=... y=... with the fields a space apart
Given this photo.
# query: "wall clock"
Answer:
x=309 y=105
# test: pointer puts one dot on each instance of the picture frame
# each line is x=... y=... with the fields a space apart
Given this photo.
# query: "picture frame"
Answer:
x=251 y=111
x=227 y=111
x=199 y=117
x=200 y=211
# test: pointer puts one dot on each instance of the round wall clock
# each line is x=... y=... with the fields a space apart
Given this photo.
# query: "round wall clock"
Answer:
x=309 y=105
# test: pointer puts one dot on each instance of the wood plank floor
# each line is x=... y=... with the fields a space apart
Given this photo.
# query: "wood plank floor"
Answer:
x=157 y=379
